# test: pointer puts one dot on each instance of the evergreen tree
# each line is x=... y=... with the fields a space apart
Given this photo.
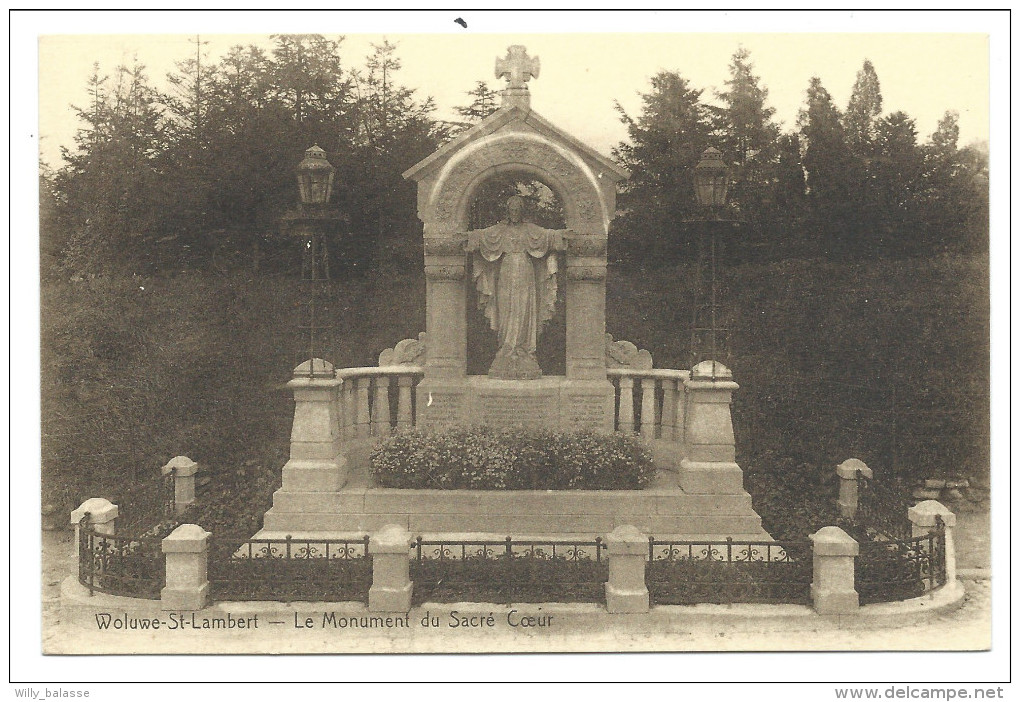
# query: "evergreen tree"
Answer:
x=665 y=144
x=954 y=188
x=747 y=136
x=827 y=161
x=863 y=111
x=394 y=131
x=109 y=187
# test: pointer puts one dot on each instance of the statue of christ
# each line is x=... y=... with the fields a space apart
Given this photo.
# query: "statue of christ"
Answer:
x=515 y=274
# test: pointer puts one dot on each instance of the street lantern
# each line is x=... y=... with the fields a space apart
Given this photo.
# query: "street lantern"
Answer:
x=315 y=177
x=710 y=179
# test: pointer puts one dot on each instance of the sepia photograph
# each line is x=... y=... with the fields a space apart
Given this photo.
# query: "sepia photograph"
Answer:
x=516 y=332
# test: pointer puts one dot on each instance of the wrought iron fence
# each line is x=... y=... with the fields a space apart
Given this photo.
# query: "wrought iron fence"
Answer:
x=881 y=509
x=120 y=565
x=900 y=569
x=288 y=570
x=509 y=571
x=723 y=572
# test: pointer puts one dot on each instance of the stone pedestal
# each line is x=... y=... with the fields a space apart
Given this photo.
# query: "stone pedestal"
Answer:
x=391 y=559
x=551 y=402
x=183 y=470
x=102 y=519
x=922 y=518
x=626 y=591
x=849 y=490
x=710 y=466
x=187 y=560
x=832 y=584
x=316 y=461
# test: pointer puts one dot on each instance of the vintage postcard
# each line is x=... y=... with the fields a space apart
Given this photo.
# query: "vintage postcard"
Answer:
x=668 y=335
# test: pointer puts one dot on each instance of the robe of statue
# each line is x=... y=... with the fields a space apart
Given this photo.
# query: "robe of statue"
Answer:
x=515 y=274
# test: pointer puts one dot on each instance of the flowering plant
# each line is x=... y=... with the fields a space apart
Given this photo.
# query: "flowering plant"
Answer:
x=483 y=458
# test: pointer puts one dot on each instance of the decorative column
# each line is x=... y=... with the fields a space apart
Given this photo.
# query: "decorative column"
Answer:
x=710 y=466
x=922 y=518
x=316 y=461
x=849 y=489
x=187 y=563
x=832 y=582
x=586 y=306
x=391 y=583
x=445 y=304
x=102 y=519
x=626 y=591
x=183 y=470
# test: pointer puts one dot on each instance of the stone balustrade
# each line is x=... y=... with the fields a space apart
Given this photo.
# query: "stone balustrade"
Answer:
x=375 y=401
x=650 y=402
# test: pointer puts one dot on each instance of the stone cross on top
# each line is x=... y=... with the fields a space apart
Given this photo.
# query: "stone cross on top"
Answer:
x=518 y=68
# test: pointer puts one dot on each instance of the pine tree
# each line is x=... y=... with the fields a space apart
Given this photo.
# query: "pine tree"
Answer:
x=863 y=110
x=109 y=188
x=895 y=175
x=747 y=136
x=827 y=161
x=665 y=144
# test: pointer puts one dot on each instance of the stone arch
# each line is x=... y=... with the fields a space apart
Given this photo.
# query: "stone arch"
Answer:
x=563 y=171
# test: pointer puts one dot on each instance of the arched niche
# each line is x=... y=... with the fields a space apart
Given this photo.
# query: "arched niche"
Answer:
x=445 y=209
x=519 y=141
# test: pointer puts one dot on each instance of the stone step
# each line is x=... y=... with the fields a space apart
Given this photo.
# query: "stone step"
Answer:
x=609 y=502
x=721 y=524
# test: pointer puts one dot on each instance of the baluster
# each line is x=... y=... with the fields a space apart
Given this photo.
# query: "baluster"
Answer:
x=647 y=408
x=668 y=408
x=680 y=406
x=364 y=425
x=381 y=407
x=404 y=418
x=626 y=404
x=350 y=415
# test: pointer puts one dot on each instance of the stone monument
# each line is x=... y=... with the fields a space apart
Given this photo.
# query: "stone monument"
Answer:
x=516 y=294
x=512 y=271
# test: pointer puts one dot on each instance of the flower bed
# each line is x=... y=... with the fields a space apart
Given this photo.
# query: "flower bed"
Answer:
x=481 y=458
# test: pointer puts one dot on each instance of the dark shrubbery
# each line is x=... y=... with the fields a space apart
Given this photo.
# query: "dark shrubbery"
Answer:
x=512 y=459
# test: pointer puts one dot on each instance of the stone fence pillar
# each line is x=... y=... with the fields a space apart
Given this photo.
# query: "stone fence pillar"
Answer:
x=710 y=466
x=849 y=487
x=391 y=560
x=832 y=582
x=626 y=590
x=187 y=562
x=102 y=518
x=183 y=470
x=922 y=520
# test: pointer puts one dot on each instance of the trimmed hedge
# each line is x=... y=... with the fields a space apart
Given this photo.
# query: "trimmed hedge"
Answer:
x=481 y=458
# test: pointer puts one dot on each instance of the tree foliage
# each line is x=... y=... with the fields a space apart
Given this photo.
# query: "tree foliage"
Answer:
x=666 y=142
x=203 y=171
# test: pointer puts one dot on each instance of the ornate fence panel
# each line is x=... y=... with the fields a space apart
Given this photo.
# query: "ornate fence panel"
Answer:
x=509 y=571
x=287 y=570
x=120 y=565
x=890 y=571
x=723 y=572
x=882 y=510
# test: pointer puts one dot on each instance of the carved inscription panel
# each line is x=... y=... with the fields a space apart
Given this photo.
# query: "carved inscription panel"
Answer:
x=505 y=409
x=442 y=409
x=585 y=412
